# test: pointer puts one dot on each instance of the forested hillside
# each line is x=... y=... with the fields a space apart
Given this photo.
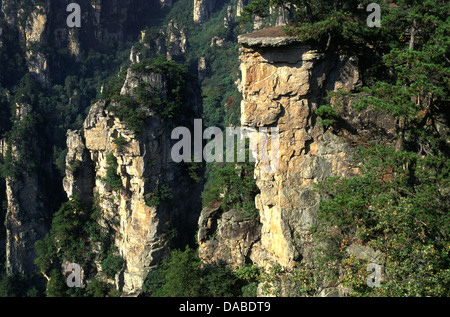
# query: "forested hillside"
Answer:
x=86 y=115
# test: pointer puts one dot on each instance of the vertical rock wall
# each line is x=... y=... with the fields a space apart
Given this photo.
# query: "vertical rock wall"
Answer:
x=283 y=84
x=202 y=10
x=142 y=233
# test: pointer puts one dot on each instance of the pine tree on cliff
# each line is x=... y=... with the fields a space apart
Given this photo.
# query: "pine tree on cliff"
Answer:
x=399 y=204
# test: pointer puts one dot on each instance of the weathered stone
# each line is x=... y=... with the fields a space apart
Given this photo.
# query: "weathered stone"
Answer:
x=35 y=33
x=283 y=84
x=79 y=178
x=176 y=39
x=202 y=69
x=203 y=9
x=240 y=6
x=157 y=81
x=27 y=196
x=226 y=237
x=268 y=37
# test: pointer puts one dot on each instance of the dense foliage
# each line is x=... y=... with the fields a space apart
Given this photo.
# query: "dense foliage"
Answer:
x=133 y=108
x=64 y=103
x=112 y=178
x=399 y=206
x=182 y=275
x=233 y=185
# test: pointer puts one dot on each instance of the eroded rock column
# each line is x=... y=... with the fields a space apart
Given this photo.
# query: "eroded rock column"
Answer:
x=283 y=83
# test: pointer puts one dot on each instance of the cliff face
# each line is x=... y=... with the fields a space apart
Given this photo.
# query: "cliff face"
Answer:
x=240 y=6
x=25 y=224
x=102 y=21
x=282 y=87
x=34 y=32
x=28 y=194
x=42 y=26
x=283 y=84
x=45 y=23
x=202 y=10
x=143 y=232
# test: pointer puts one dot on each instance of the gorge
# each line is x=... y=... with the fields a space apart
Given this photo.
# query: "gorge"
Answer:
x=91 y=118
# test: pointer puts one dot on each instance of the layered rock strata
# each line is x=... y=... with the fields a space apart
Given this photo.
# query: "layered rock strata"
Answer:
x=283 y=84
x=226 y=237
x=28 y=194
x=42 y=24
x=143 y=232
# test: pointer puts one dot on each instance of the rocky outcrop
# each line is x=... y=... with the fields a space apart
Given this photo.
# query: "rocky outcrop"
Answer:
x=203 y=9
x=145 y=217
x=201 y=69
x=25 y=224
x=135 y=55
x=34 y=195
x=282 y=15
x=171 y=42
x=156 y=43
x=79 y=178
x=27 y=218
x=240 y=6
x=74 y=44
x=102 y=23
x=218 y=41
x=177 y=40
x=34 y=32
x=228 y=19
x=112 y=21
x=226 y=238
x=283 y=84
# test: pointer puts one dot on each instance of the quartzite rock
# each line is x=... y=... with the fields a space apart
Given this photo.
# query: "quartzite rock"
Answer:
x=226 y=237
x=141 y=232
x=283 y=84
x=202 y=10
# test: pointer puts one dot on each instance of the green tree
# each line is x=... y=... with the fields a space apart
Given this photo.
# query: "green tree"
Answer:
x=7 y=287
x=153 y=282
x=112 y=264
x=112 y=178
x=72 y=233
x=56 y=286
x=402 y=212
x=220 y=281
x=96 y=288
x=163 y=193
x=182 y=275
